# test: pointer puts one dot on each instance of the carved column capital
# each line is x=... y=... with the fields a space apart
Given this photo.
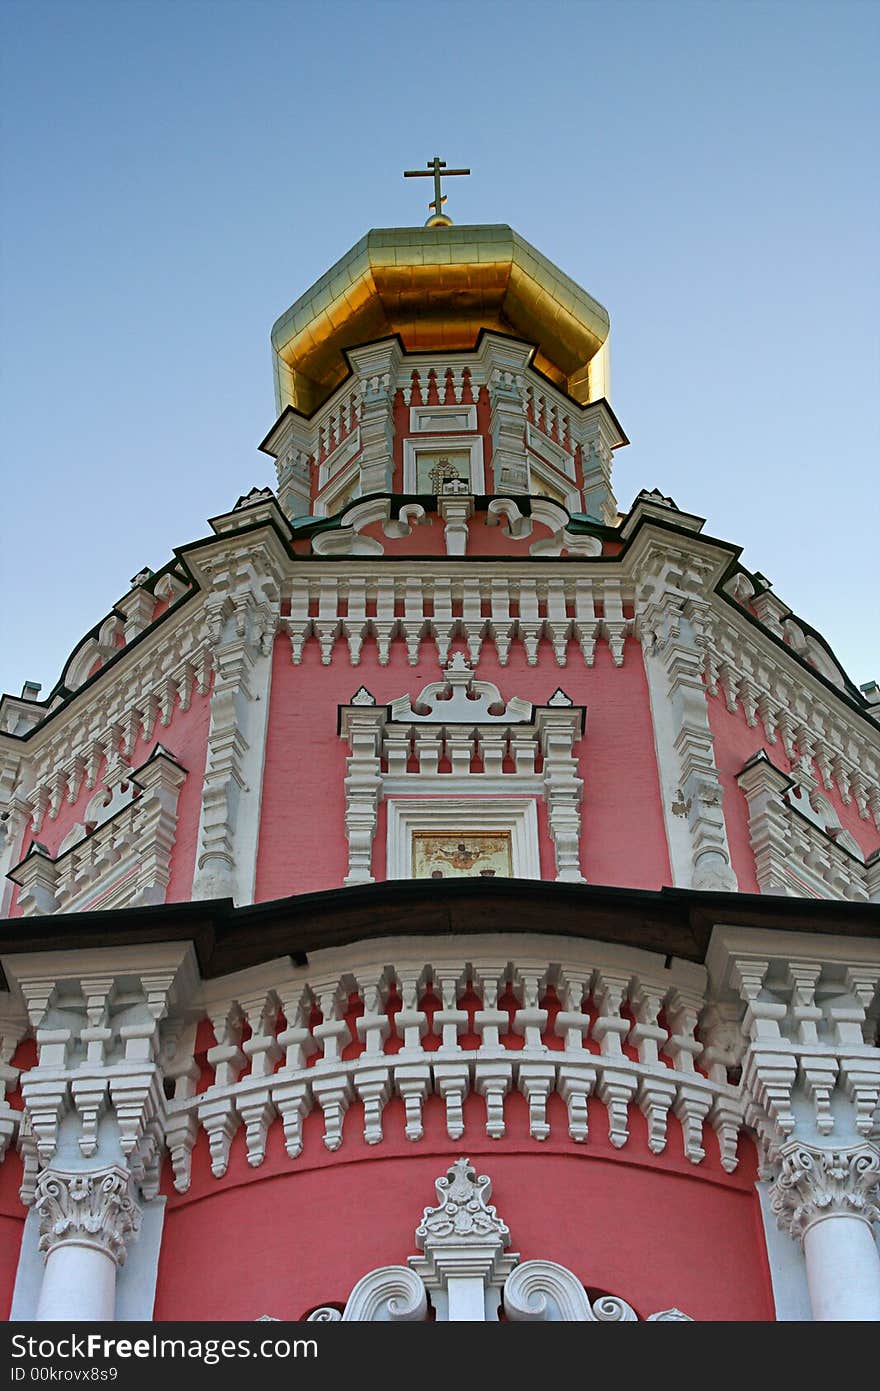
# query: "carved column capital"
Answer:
x=817 y=1183
x=95 y=1209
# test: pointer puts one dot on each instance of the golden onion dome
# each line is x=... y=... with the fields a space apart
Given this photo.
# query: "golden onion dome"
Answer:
x=437 y=287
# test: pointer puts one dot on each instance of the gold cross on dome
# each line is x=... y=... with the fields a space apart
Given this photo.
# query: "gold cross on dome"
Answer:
x=438 y=218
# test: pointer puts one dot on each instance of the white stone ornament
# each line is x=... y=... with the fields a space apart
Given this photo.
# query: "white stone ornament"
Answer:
x=465 y=1270
x=87 y=1209
x=462 y=1209
x=817 y=1183
x=392 y=1294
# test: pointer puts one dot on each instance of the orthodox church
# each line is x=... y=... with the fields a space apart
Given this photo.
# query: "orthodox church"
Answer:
x=436 y=893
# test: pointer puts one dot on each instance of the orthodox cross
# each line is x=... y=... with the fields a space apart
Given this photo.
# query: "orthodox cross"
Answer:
x=433 y=169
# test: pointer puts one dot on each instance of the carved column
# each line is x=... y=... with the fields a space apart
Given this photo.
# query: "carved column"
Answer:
x=810 y=1083
x=597 y=435
x=828 y=1199
x=16 y=780
x=86 y=1221
x=91 y=1134
x=293 y=445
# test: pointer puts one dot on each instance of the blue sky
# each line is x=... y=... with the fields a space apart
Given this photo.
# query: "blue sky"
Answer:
x=174 y=175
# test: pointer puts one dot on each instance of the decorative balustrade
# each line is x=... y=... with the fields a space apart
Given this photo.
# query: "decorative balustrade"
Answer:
x=568 y=609
x=597 y=1026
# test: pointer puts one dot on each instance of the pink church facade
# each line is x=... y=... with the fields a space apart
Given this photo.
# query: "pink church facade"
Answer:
x=433 y=821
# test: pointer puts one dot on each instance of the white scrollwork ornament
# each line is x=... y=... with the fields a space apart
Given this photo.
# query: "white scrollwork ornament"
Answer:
x=94 y=1209
x=462 y=1208
x=392 y=1294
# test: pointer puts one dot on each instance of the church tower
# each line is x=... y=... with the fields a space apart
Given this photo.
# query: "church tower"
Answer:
x=433 y=826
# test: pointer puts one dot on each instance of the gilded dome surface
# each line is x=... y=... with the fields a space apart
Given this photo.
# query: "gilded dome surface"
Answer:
x=437 y=287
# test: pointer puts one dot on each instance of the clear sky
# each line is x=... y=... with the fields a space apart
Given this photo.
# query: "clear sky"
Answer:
x=175 y=173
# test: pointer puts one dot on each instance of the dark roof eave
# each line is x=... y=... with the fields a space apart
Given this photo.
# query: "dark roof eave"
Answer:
x=672 y=922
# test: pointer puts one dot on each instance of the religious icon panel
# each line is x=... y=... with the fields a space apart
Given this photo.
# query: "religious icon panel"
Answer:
x=456 y=855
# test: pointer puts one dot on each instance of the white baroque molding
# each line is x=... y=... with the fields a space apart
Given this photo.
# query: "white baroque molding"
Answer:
x=125 y=860
x=797 y=840
x=96 y=1209
x=467 y=722
x=468 y=1272
x=96 y=1015
x=242 y=616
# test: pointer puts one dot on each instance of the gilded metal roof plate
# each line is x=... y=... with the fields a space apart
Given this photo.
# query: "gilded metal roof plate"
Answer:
x=436 y=287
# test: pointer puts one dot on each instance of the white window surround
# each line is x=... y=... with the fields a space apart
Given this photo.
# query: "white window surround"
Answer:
x=339 y=458
x=424 y=419
x=473 y=444
x=325 y=502
x=518 y=815
x=541 y=472
x=549 y=450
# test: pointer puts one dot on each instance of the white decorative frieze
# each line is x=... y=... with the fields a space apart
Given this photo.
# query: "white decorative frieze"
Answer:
x=598 y=1088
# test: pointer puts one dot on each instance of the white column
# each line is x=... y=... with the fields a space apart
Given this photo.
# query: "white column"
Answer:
x=843 y=1269
x=828 y=1199
x=86 y=1220
x=79 y=1285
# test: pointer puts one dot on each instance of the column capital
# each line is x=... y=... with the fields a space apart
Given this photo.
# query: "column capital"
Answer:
x=816 y=1183
x=96 y=1209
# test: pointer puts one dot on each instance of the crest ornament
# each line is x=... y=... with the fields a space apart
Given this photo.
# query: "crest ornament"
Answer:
x=462 y=1209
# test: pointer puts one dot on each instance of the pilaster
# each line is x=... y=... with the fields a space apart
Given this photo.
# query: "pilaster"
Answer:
x=670 y=626
x=506 y=363
x=242 y=617
x=377 y=366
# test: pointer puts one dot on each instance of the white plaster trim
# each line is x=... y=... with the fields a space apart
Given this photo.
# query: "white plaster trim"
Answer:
x=136 y=1281
x=340 y=457
x=480 y=785
x=421 y=418
x=473 y=444
x=325 y=502
x=549 y=451
x=678 y=837
x=518 y=815
x=539 y=472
